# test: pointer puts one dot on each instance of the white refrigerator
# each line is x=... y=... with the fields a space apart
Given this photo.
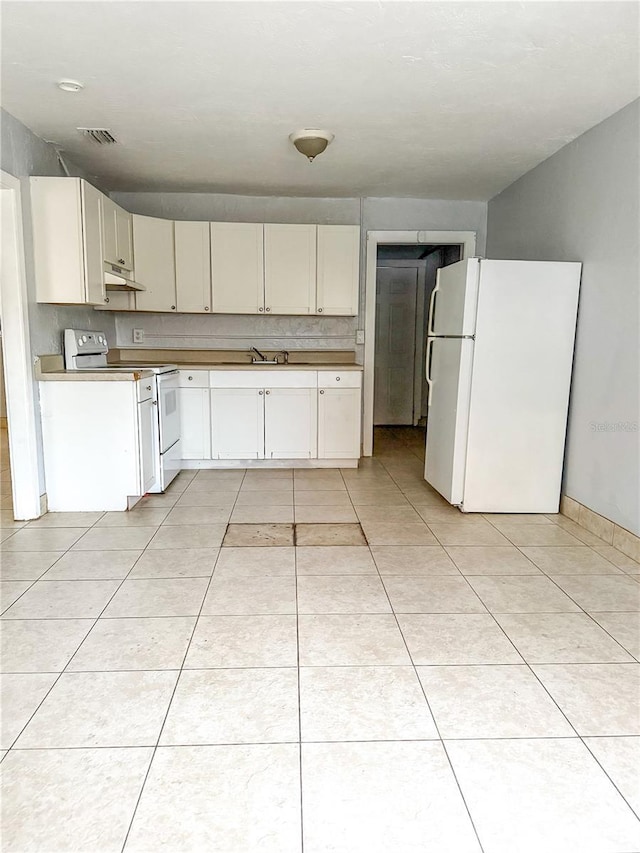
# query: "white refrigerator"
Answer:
x=498 y=366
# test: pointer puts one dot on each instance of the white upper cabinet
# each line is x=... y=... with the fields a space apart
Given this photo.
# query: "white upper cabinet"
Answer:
x=67 y=241
x=338 y=269
x=193 y=267
x=153 y=240
x=290 y=269
x=116 y=234
x=237 y=267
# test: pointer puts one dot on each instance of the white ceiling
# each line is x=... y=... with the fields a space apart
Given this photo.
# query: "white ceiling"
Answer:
x=428 y=99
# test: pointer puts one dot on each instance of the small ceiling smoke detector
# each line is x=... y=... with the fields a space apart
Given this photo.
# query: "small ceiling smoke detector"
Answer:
x=311 y=141
x=70 y=85
x=98 y=134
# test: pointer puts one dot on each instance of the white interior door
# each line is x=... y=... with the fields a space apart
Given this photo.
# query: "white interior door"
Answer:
x=449 y=363
x=395 y=345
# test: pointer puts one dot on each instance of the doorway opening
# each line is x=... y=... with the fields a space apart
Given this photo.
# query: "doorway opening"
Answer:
x=400 y=276
x=405 y=279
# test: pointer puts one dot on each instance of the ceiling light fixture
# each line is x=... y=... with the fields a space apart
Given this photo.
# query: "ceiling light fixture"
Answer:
x=311 y=141
x=70 y=85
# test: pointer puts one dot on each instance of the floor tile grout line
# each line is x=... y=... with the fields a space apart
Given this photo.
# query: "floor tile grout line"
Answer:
x=581 y=609
x=434 y=739
x=86 y=530
x=428 y=704
x=583 y=738
x=175 y=687
x=300 y=759
x=63 y=671
x=541 y=684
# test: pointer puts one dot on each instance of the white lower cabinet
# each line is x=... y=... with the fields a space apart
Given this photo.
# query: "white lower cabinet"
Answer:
x=237 y=423
x=339 y=423
x=195 y=423
x=98 y=442
x=290 y=423
x=270 y=414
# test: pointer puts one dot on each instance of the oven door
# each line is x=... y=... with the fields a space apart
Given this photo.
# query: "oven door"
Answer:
x=168 y=409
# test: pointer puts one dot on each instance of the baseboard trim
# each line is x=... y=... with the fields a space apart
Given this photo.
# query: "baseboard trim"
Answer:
x=610 y=532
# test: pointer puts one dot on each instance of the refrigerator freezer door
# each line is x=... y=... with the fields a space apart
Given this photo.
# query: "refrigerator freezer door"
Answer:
x=454 y=299
x=449 y=373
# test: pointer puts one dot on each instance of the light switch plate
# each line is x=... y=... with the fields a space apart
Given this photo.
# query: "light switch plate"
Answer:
x=138 y=336
x=360 y=336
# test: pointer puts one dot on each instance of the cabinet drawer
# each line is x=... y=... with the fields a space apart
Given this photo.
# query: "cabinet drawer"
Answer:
x=345 y=379
x=263 y=378
x=193 y=379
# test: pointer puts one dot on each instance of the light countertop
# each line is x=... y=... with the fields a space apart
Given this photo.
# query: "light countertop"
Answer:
x=103 y=375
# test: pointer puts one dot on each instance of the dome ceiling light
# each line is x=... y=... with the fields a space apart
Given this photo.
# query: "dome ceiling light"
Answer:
x=311 y=141
x=70 y=85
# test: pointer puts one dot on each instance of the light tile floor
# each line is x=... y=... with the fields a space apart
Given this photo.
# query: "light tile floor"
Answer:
x=457 y=684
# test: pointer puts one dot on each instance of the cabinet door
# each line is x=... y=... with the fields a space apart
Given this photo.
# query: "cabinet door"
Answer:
x=109 y=232
x=195 y=424
x=193 y=267
x=155 y=263
x=92 y=228
x=237 y=267
x=124 y=238
x=290 y=427
x=338 y=269
x=339 y=423
x=290 y=269
x=237 y=423
x=148 y=443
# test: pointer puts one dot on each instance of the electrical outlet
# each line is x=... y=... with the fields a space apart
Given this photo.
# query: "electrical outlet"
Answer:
x=138 y=336
x=360 y=336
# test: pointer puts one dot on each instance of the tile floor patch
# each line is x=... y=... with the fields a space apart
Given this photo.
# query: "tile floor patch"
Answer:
x=248 y=535
x=329 y=534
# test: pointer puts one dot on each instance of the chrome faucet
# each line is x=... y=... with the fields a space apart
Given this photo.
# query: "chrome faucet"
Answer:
x=262 y=357
x=285 y=356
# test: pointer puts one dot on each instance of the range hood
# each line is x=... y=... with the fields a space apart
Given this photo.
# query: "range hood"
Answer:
x=117 y=278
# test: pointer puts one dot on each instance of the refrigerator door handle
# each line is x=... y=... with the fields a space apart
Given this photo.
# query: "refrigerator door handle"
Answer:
x=430 y=343
x=432 y=306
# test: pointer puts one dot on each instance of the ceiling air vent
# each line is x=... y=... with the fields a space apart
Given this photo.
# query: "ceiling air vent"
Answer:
x=98 y=134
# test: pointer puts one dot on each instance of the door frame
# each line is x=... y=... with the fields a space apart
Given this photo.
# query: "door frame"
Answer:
x=466 y=239
x=18 y=366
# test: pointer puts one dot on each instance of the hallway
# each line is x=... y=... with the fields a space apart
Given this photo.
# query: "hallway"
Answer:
x=389 y=675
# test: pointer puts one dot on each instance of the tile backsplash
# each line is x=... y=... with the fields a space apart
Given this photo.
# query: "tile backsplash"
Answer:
x=236 y=331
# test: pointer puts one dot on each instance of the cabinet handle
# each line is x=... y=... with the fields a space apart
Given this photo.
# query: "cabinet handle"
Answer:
x=206 y=307
x=337 y=379
x=106 y=299
x=322 y=392
x=121 y=260
x=173 y=307
x=190 y=378
x=148 y=387
x=154 y=402
x=267 y=392
x=260 y=393
x=268 y=309
x=319 y=310
x=260 y=309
